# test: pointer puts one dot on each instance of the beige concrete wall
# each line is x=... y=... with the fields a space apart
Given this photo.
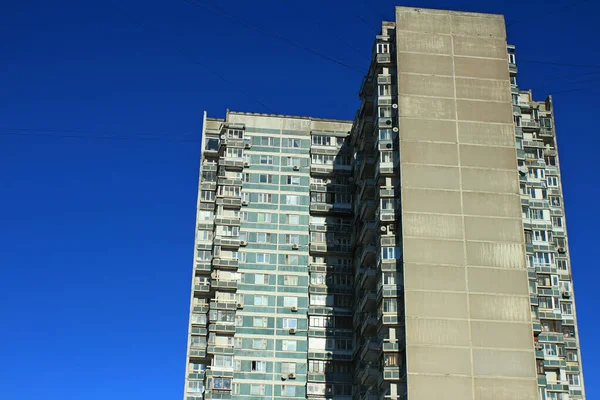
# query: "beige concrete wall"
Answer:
x=468 y=321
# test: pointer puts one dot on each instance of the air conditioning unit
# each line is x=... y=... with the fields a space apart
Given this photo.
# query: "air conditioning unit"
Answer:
x=562 y=250
x=395 y=129
x=566 y=294
x=292 y=331
x=294 y=308
x=394 y=105
x=292 y=376
x=295 y=246
x=284 y=377
x=243 y=243
x=240 y=305
x=296 y=168
x=247 y=146
x=383 y=229
x=392 y=228
x=244 y=202
x=246 y=164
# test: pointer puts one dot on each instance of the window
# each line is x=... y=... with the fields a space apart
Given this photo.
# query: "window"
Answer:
x=569 y=332
x=292 y=239
x=555 y=201
x=261 y=279
x=265 y=197
x=244 y=216
x=207 y=195
x=391 y=360
x=387 y=156
x=234 y=152
x=388 y=253
x=261 y=300
x=290 y=323
x=320 y=322
x=557 y=222
x=262 y=237
x=513 y=80
x=574 y=379
x=206 y=215
x=264 y=178
x=292 y=199
x=321 y=140
x=318 y=300
x=572 y=355
x=290 y=280
x=223 y=361
x=257 y=390
x=511 y=58
x=288 y=391
x=290 y=301
x=263 y=258
x=293 y=161
x=551 y=326
x=383 y=48
x=384 y=90
x=390 y=305
x=515 y=99
x=259 y=322
x=293 y=180
x=566 y=308
x=550 y=349
x=203 y=255
x=288 y=368
x=552 y=181
x=292 y=259
x=294 y=143
x=562 y=265
x=195 y=386
x=385 y=112
x=288 y=345
x=266 y=160
x=259 y=344
x=266 y=141
x=385 y=134
x=549 y=303
x=205 y=235
x=259 y=366
x=263 y=217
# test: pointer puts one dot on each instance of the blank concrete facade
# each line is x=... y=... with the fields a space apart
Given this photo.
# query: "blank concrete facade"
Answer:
x=468 y=323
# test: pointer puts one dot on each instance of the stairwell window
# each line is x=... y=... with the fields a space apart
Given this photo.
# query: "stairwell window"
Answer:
x=257 y=390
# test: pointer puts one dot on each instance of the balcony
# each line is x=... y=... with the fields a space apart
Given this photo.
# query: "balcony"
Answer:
x=369 y=350
x=225 y=263
x=367 y=302
x=202 y=267
x=229 y=201
x=202 y=287
x=367 y=209
x=229 y=181
x=530 y=124
x=223 y=284
x=321 y=207
x=219 y=349
x=232 y=163
x=221 y=328
x=367 y=279
x=366 y=373
x=367 y=232
x=383 y=58
x=367 y=255
x=224 y=220
x=227 y=242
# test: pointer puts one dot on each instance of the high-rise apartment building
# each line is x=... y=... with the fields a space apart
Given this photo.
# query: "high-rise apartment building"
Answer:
x=418 y=252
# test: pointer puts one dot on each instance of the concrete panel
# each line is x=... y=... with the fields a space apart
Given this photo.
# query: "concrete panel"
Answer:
x=437 y=331
x=482 y=180
x=416 y=42
x=432 y=251
x=505 y=389
x=492 y=205
x=478 y=47
x=507 y=335
x=433 y=226
x=429 y=153
x=429 y=129
x=517 y=364
x=432 y=201
x=436 y=305
x=426 y=107
x=500 y=308
x=438 y=360
x=494 y=229
x=410 y=20
x=484 y=68
x=498 y=281
x=425 y=64
x=488 y=157
x=427 y=85
x=482 y=111
x=487 y=134
x=485 y=25
x=440 y=387
x=434 y=277
x=430 y=177
x=479 y=89
x=500 y=255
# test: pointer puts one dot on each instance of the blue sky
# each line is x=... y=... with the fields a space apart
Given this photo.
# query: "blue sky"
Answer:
x=100 y=116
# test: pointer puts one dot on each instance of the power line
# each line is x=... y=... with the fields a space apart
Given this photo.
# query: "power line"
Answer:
x=227 y=15
x=326 y=29
x=195 y=61
x=34 y=133
x=549 y=12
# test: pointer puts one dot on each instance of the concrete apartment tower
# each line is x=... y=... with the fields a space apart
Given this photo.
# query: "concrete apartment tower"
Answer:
x=418 y=252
